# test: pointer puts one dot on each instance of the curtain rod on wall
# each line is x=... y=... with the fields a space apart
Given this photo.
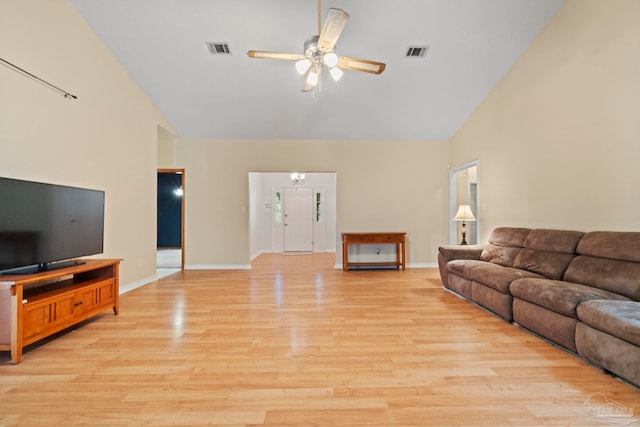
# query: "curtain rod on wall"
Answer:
x=34 y=77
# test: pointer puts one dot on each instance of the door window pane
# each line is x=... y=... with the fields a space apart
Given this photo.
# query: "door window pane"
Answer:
x=318 y=207
x=278 y=210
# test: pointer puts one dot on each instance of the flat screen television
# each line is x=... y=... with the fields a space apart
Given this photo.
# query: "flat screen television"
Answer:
x=46 y=226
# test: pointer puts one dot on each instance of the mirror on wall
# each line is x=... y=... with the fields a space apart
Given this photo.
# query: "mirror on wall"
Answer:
x=463 y=204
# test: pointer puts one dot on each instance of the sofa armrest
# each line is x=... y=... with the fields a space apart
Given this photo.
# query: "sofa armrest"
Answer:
x=449 y=253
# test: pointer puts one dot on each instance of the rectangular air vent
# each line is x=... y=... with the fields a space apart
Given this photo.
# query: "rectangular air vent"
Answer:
x=417 y=51
x=218 y=48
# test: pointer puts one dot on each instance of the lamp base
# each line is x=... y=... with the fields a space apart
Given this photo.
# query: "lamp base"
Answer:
x=464 y=234
x=464 y=240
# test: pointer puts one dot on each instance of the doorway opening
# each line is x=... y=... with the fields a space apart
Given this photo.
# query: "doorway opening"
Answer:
x=170 y=219
x=463 y=190
x=292 y=215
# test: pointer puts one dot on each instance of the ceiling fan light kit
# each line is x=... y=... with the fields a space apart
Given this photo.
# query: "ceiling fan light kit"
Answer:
x=330 y=59
x=313 y=76
x=336 y=73
x=303 y=66
x=319 y=53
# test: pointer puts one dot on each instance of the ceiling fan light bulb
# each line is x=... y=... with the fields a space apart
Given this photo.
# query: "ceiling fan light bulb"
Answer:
x=313 y=77
x=336 y=73
x=303 y=65
x=330 y=59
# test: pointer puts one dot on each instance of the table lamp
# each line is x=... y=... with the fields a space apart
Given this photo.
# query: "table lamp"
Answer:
x=464 y=214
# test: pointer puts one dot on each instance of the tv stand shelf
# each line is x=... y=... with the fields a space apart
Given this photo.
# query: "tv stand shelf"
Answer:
x=35 y=306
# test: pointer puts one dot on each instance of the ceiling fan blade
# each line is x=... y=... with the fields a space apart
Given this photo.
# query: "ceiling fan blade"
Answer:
x=274 y=55
x=363 y=65
x=333 y=26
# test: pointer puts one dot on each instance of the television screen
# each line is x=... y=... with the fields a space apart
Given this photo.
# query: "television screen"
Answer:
x=43 y=224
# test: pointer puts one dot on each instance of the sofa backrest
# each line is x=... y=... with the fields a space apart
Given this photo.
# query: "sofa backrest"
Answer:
x=505 y=243
x=608 y=260
x=548 y=252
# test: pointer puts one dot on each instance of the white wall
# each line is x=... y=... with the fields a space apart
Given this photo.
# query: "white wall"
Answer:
x=558 y=138
x=106 y=139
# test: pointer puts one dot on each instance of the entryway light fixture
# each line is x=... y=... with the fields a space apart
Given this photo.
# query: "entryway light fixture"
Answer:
x=297 y=178
x=464 y=214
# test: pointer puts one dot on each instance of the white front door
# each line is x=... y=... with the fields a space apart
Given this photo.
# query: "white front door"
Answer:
x=298 y=220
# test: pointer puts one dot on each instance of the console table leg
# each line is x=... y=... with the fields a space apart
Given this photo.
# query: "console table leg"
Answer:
x=345 y=256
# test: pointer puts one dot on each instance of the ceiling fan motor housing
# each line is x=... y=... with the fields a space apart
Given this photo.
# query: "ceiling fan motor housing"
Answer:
x=311 y=45
x=314 y=53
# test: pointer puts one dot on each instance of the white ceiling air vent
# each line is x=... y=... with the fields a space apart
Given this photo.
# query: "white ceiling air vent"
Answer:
x=416 y=51
x=218 y=48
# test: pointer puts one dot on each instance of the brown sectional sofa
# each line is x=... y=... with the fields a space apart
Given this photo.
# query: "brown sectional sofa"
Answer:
x=579 y=290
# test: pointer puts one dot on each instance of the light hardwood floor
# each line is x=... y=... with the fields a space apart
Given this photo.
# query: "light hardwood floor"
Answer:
x=296 y=342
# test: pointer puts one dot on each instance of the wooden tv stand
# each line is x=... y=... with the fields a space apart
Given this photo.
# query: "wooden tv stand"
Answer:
x=35 y=306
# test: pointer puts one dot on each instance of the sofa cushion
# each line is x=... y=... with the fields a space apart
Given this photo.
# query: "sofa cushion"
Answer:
x=548 y=264
x=548 y=252
x=611 y=244
x=621 y=277
x=509 y=236
x=562 y=241
x=504 y=245
x=618 y=318
x=498 y=277
x=501 y=255
x=463 y=267
x=561 y=297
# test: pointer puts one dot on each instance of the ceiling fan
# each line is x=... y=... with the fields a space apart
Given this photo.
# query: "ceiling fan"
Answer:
x=319 y=53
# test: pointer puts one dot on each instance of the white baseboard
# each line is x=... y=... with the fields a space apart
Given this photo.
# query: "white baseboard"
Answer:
x=137 y=284
x=162 y=272
x=412 y=265
x=423 y=265
x=217 y=267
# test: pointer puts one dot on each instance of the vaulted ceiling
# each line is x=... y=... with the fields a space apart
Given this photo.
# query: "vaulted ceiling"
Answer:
x=163 y=45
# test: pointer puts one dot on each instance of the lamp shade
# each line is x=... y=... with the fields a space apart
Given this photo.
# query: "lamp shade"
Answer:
x=464 y=214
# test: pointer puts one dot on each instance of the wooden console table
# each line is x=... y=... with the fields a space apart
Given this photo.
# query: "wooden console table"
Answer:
x=374 y=239
x=35 y=306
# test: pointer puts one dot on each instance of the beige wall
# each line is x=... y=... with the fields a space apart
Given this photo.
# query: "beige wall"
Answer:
x=166 y=149
x=381 y=186
x=106 y=139
x=558 y=139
